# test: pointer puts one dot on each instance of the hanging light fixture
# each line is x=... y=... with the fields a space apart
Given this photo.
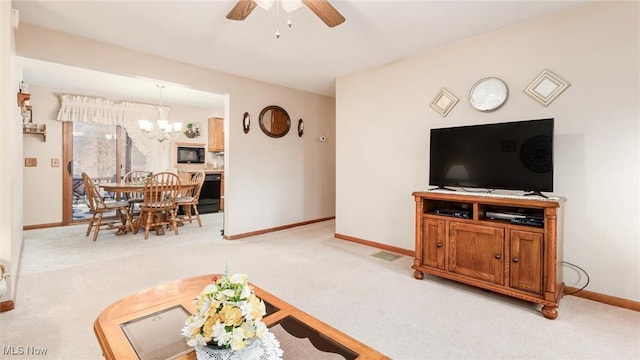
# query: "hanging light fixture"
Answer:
x=287 y=5
x=162 y=129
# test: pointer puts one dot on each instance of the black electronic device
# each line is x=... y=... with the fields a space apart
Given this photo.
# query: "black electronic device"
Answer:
x=504 y=215
x=513 y=156
x=531 y=221
x=459 y=213
x=190 y=154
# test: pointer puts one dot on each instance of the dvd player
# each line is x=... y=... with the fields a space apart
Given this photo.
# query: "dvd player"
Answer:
x=528 y=221
x=503 y=215
x=465 y=214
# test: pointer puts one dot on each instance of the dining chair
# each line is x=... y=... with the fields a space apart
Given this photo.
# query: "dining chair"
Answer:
x=159 y=205
x=135 y=198
x=188 y=202
x=99 y=207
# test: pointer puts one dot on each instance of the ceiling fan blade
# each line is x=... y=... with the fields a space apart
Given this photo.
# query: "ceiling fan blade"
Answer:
x=325 y=11
x=241 y=10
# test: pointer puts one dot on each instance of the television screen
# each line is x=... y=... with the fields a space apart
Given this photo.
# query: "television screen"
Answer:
x=513 y=156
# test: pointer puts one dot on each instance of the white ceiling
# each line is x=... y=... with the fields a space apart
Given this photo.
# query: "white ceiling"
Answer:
x=308 y=57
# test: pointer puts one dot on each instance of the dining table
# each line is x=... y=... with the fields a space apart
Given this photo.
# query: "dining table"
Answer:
x=133 y=187
x=138 y=187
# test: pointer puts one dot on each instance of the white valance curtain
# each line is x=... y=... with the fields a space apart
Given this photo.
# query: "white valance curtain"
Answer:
x=100 y=111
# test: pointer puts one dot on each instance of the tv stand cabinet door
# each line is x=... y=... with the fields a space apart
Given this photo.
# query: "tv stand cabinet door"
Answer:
x=477 y=251
x=525 y=265
x=433 y=243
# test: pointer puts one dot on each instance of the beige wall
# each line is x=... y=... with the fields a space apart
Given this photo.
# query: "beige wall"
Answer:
x=10 y=143
x=383 y=120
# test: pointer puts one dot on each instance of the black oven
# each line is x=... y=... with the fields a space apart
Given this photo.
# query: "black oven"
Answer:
x=209 y=200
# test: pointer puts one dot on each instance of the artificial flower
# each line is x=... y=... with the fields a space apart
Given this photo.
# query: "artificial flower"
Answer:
x=228 y=314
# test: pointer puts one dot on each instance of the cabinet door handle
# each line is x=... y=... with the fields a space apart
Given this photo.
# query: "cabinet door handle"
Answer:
x=498 y=256
x=439 y=245
x=515 y=259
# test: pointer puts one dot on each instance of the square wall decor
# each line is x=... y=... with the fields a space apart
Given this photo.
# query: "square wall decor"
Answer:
x=546 y=87
x=444 y=102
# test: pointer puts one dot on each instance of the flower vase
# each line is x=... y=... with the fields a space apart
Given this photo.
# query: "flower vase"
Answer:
x=255 y=350
x=190 y=135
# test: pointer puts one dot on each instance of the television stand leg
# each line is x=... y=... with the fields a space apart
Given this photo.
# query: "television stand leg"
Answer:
x=536 y=193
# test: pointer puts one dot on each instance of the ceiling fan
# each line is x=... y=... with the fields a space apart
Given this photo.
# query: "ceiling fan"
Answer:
x=322 y=8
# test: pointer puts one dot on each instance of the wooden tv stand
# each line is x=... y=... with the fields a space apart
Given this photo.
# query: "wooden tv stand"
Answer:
x=469 y=238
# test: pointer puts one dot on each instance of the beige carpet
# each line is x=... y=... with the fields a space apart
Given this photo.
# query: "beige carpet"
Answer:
x=66 y=280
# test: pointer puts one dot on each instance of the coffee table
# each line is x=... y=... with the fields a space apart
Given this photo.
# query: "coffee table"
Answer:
x=147 y=325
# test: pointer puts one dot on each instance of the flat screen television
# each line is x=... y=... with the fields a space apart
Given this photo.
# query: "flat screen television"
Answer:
x=512 y=156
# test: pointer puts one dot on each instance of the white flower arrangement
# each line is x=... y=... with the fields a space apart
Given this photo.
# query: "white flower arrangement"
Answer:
x=228 y=314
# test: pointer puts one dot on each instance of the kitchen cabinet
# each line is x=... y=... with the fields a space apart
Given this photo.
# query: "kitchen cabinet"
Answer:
x=483 y=241
x=216 y=135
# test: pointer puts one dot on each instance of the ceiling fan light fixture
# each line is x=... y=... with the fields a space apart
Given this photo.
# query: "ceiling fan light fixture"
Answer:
x=291 y=5
x=287 y=5
x=265 y=4
x=322 y=8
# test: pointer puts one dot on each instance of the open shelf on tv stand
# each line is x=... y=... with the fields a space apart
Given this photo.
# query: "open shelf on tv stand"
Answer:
x=471 y=239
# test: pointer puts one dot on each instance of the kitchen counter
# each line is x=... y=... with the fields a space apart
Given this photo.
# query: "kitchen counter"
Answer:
x=206 y=171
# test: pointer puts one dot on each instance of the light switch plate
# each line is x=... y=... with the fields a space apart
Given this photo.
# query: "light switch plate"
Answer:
x=30 y=162
x=55 y=162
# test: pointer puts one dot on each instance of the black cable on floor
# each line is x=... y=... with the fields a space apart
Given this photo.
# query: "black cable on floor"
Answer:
x=585 y=273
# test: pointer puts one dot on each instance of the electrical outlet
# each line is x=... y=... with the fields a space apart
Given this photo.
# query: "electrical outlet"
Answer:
x=30 y=162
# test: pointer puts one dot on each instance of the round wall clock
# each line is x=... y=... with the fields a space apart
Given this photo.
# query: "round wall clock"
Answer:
x=488 y=94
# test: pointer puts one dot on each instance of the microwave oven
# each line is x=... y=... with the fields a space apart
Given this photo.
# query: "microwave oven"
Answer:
x=190 y=155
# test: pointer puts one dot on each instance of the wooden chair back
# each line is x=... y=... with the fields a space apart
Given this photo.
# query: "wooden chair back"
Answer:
x=161 y=191
x=135 y=177
x=189 y=200
x=98 y=207
x=198 y=179
x=94 y=197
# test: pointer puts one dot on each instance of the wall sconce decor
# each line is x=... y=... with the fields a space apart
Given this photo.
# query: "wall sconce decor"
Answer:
x=546 y=87
x=300 y=128
x=444 y=102
x=246 y=122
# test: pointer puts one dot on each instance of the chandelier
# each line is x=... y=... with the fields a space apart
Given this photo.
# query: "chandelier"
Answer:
x=162 y=129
